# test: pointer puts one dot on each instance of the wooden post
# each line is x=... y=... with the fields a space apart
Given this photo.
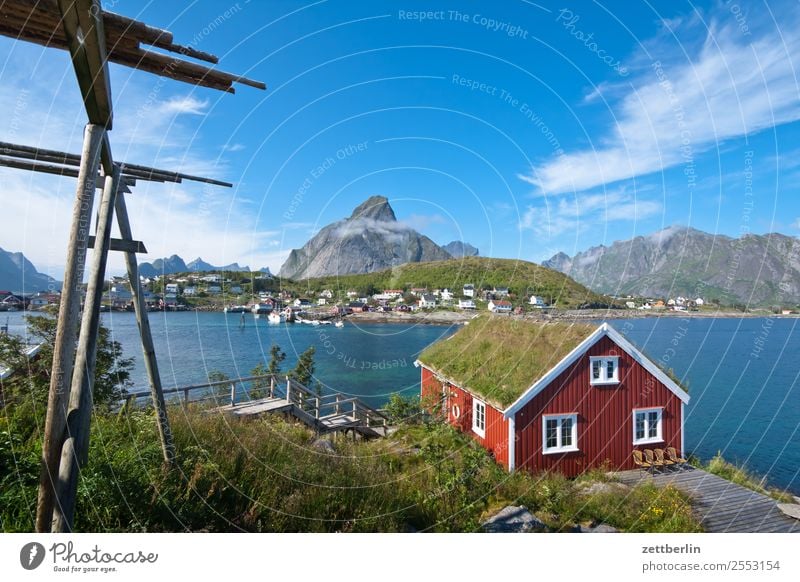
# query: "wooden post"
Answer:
x=186 y=396
x=288 y=390
x=146 y=337
x=66 y=332
x=75 y=448
x=316 y=407
x=233 y=394
x=272 y=386
x=338 y=406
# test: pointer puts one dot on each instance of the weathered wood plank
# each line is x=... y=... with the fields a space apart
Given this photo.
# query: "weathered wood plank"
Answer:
x=721 y=506
x=126 y=246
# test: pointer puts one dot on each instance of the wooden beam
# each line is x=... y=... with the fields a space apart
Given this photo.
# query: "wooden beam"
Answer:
x=83 y=28
x=126 y=246
x=146 y=337
x=75 y=442
x=64 y=347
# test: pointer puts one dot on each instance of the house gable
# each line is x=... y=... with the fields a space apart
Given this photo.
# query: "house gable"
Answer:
x=604 y=330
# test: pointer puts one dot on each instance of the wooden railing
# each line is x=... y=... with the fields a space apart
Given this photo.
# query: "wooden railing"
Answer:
x=232 y=387
x=307 y=401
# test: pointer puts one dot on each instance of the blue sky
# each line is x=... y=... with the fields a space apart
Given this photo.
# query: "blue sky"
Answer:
x=522 y=128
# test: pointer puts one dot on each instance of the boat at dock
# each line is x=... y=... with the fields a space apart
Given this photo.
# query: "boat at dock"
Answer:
x=235 y=309
x=275 y=318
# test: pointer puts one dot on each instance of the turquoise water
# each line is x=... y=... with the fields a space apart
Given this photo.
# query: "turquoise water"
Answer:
x=742 y=374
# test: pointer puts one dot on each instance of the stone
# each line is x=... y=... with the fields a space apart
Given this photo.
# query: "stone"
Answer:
x=513 y=519
x=600 y=487
x=790 y=509
x=796 y=498
x=324 y=445
x=604 y=528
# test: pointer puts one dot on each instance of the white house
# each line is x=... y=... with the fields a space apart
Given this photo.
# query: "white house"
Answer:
x=211 y=278
x=466 y=304
x=699 y=302
x=235 y=290
x=326 y=294
x=171 y=288
x=447 y=295
x=214 y=289
x=322 y=301
x=427 y=301
x=537 y=302
x=468 y=290
x=500 y=291
x=500 y=306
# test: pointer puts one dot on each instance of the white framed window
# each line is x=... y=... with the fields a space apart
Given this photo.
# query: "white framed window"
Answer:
x=478 y=417
x=559 y=433
x=603 y=370
x=647 y=426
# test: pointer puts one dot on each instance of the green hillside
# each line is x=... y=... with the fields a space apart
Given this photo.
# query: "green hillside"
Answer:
x=521 y=277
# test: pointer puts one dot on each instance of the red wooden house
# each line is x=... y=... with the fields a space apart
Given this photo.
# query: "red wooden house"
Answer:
x=558 y=396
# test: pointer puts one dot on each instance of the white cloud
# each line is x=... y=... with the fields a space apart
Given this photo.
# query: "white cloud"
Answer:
x=161 y=130
x=732 y=87
x=587 y=210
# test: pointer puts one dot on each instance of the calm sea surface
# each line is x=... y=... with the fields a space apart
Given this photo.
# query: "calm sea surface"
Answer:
x=742 y=374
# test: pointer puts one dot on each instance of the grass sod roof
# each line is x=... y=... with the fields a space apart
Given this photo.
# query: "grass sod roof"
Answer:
x=499 y=358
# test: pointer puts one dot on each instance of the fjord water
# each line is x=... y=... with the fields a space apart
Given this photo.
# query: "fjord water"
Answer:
x=742 y=376
x=742 y=373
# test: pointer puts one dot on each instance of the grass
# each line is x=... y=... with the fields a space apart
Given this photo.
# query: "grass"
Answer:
x=266 y=476
x=500 y=358
x=521 y=277
x=741 y=476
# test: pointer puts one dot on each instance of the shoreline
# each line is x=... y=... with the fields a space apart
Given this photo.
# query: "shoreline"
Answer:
x=460 y=317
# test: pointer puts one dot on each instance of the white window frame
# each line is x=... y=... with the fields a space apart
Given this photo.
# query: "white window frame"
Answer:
x=560 y=448
x=476 y=426
x=647 y=440
x=604 y=380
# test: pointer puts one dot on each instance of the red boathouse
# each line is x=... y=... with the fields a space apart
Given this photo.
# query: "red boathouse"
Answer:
x=560 y=396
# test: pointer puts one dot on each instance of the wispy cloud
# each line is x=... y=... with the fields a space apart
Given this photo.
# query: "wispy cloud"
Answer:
x=187 y=219
x=587 y=210
x=734 y=85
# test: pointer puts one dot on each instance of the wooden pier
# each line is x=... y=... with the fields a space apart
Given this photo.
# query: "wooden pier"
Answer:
x=721 y=506
x=258 y=395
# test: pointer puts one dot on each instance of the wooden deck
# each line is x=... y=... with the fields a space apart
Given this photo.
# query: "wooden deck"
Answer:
x=327 y=413
x=721 y=506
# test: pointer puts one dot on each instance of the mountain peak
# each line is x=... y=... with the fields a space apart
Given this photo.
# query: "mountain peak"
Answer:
x=375 y=208
x=371 y=239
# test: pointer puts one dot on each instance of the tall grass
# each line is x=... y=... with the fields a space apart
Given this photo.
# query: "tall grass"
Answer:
x=741 y=476
x=266 y=475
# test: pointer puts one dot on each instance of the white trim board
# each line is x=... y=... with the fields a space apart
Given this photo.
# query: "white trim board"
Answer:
x=602 y=331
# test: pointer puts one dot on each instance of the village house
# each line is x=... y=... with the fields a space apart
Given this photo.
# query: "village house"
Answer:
x=446 y=295
x=499 y=292
x=537 y=302
x=357 y=307
x=468 y=290
x=418 y=291
x=171 y=288
x=555 y=396
x=326 y=294
x=213 y=289
x=427 y=301
x=351 y=294
x=301 y=302
x=500 y=306
x=466 y=304
x=190 y=291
